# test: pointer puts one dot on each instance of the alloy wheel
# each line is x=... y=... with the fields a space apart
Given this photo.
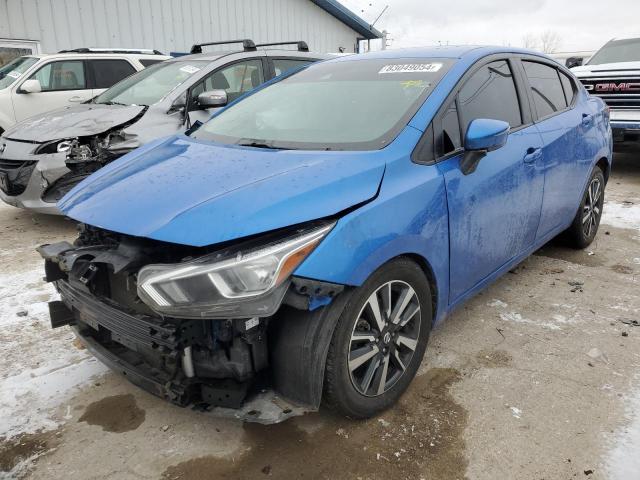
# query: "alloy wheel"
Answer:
x=592 y=210
x=384 y=338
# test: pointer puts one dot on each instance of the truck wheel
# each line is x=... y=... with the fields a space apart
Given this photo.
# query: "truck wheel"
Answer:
x=379 y=340
x=587 y=220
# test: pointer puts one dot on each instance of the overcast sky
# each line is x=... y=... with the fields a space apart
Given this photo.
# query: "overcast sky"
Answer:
x=580 y=24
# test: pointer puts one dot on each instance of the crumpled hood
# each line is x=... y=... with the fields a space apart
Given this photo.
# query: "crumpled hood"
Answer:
x=77 y=121
x=196 y=193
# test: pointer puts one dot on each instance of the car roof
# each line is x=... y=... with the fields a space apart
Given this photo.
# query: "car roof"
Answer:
x=466 y=52
x=99 y=55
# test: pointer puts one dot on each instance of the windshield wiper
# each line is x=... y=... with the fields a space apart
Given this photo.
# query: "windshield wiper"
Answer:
x=245 y=142
x=110 y=102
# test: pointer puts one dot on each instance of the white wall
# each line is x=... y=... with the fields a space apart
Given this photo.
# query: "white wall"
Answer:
x=170 y=25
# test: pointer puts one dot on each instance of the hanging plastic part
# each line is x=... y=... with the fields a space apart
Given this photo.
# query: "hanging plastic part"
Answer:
x=187 y=363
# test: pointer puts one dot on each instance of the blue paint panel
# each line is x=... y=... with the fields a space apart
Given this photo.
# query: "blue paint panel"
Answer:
x=195 y=193
x=494 y=211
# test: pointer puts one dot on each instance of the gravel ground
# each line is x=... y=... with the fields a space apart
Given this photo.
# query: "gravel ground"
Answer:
x=534 y=378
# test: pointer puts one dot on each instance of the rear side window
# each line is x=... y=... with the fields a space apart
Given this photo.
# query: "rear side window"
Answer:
x=66 y=75
x=148 y=63
x=283 y=65
x=569 y=88
x=109 y=72
x=546 y=88
x=490 y=93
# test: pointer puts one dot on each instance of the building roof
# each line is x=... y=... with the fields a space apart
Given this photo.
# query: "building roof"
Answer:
x=349 y=18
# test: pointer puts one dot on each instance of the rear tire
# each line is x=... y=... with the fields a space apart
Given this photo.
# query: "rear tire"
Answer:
x=587 y=220
x=379 y=341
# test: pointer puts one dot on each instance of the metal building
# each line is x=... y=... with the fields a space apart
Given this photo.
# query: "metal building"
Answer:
x=46 y=26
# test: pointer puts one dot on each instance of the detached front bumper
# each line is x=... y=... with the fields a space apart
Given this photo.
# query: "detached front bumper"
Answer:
x=126 y=342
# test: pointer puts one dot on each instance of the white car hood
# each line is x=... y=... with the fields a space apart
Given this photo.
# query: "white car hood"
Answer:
x=619 y=68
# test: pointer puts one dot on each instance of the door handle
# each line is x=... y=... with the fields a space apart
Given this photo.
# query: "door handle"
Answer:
x=76 y=98
x=586 y=119
x=533 y=155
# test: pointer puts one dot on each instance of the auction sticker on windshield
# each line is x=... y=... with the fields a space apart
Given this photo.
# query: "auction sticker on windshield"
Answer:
x=14 y=74
x=411 y=68
x=190 y=69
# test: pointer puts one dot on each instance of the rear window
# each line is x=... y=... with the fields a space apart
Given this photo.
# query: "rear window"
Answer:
x=109 y=72
x=546 y=88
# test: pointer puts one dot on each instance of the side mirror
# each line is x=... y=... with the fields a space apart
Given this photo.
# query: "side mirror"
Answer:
x=487 y=135
x=31 y=86
x=483 y=136
x=573 y=62
x=212 y=99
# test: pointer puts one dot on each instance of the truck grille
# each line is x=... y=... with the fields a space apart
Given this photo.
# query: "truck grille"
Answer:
x=18 y=173
x=620 y=93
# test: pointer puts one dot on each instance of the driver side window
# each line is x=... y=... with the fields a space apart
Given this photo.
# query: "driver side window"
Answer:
x=236 y=79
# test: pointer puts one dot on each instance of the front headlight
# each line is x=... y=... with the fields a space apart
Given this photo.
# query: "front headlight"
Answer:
x=228 y=285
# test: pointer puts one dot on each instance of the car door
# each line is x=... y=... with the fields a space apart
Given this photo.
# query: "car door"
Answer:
x=236 y=79
x=106 y=72
x=493 y=211
x=561 y=126
x=63 y=82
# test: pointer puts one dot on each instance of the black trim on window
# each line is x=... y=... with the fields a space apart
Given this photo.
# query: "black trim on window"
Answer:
x=526 y=113
x=559 y=70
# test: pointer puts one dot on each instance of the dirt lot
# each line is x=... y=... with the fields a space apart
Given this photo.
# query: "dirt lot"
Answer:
x=535 y=378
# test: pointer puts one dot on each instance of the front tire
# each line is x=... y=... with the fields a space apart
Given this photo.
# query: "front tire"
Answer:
x=379 y=341
x=587 y=220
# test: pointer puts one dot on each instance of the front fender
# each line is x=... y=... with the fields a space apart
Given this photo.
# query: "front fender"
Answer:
x=409 y=216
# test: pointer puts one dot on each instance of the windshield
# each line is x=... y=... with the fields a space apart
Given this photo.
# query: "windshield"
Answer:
x=14 y=70
x=617 y=51
x=150 y=85
x=343 y=105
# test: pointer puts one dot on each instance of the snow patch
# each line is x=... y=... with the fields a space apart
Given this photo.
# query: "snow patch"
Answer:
x=40 y=366
x=517 y=318
x=623 y=461
x=497 y=303
x=621 y=215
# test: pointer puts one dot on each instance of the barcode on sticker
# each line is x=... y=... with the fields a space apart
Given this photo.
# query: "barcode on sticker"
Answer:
x=411 y=68
x=252 y=322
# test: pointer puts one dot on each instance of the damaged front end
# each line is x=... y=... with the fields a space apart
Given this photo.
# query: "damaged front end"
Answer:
x=87 y=154
x=225 y=328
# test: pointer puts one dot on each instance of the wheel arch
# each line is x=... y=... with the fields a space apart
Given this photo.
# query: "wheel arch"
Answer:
x=605 y=165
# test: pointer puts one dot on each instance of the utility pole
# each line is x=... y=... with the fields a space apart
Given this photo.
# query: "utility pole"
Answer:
x=384 y=40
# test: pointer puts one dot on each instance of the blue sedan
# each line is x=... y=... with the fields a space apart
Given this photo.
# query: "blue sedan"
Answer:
x=308 y=237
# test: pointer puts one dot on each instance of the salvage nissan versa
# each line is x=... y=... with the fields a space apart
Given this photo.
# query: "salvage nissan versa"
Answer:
x=305 y=240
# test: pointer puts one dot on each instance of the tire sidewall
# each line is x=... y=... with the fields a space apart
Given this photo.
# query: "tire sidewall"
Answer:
x=584 y=240
x=350 y=401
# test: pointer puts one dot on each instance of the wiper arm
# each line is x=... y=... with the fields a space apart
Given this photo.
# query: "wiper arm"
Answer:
x=113 y=103
x=258 y=144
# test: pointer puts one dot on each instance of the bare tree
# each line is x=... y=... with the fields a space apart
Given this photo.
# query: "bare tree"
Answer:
x=530 y=41
x=550 y=41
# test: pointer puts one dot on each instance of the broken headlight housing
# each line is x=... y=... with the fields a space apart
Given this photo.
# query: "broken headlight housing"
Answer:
x=230 y=284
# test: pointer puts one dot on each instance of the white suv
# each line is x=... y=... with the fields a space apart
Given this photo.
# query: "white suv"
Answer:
x=35 y=84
